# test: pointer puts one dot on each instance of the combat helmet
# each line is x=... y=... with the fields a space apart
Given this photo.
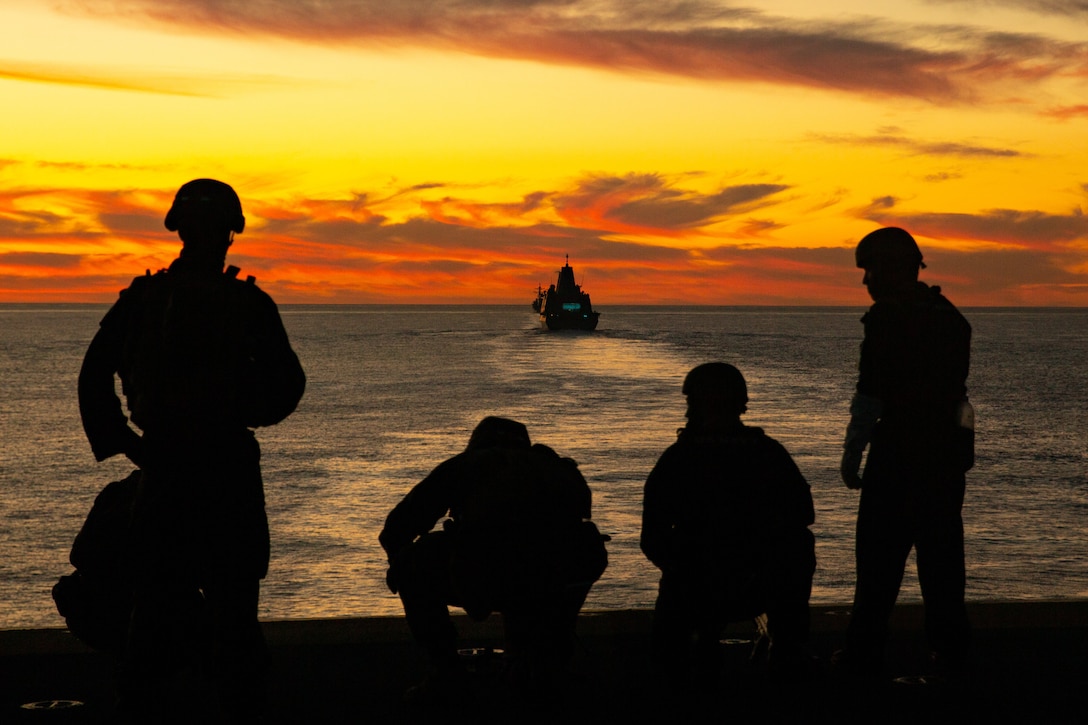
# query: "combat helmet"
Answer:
x=203 y=201
x=717 y=381
x=888 y=244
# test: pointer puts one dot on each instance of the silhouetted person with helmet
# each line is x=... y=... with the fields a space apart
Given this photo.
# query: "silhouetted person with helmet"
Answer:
x=725 y=517
x=518 y=540
x=203 y=358
x=911 y=410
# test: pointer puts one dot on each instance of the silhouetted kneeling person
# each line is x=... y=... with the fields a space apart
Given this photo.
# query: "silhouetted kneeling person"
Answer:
x=203 y=358
x=518 y=541
x=725 y=517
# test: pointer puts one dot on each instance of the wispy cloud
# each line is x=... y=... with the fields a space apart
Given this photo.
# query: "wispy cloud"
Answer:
x=126 y=79
x=1065 y=113
x=692 y=38
x=892 y=138
x=1071 y=8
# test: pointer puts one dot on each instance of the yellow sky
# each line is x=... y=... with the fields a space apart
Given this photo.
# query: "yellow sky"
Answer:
x=731 y=153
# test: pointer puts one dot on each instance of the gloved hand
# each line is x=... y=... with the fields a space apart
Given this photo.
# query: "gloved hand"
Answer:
x=851 y=464
x=391 y=579
x=865 y=411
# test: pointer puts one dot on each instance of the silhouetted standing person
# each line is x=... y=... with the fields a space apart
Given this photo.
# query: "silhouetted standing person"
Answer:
x=725 y=517
x=203 y=358
x=911 y=410
x=518 y=540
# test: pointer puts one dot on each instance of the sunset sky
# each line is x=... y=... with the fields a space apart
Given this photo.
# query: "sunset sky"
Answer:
x=423 y=151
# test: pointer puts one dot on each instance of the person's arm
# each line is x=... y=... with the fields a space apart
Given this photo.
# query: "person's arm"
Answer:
x=100 y=409
x=274 y=375
x=416 y=514
x=656 y=538
x=419 y=511
x=793 y=496
x=866 y=406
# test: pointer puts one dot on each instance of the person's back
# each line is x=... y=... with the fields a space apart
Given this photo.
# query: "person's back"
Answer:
x=725 y=518
x=727 y=497
x=517 y=534
x=202 y=355
x=511 y=491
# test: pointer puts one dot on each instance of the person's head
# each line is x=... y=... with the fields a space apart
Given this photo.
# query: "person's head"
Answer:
x=717 y=395
x=891 y=260
x=494 y=432
x=206 y=214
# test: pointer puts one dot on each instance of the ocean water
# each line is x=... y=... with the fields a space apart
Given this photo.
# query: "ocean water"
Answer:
x=395 y=390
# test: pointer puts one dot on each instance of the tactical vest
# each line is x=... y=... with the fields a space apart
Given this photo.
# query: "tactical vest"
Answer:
x=186 y=352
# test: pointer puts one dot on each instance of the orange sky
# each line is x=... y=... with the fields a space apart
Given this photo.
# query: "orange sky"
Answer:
x=680 y=152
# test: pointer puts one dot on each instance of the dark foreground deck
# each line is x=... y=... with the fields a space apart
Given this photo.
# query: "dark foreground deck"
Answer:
x=1031 y=663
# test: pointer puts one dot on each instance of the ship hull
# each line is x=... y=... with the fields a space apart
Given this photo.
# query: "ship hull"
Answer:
x=570 y=322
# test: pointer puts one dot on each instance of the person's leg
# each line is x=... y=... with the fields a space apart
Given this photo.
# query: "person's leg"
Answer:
x=423 y=583
x=674 y=627
x=164 y=641
x=883 y=543
x=238 y=663
x=789 y=586
x=941 y=568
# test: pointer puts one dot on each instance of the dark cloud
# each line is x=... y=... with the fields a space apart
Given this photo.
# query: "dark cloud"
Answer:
x=364 y=198
x=1033 y=229
x=758 y=227
x=1018 y=256
x=787 y=263
x=47 y=260
x=55 y=287
x=150 y=222
x=29 y=223
x=881 y=202
x=692 y=38
x=983 y=277
x=650 y=201
x=677 y=210
x=980 y=277
x=988 y=271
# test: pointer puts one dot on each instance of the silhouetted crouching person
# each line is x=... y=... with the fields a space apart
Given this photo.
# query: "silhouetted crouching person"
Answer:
x=203 y=358
x=518 y=541
x=725 y=517
x=909 y=409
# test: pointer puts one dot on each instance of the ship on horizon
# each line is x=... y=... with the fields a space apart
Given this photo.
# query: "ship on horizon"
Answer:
x=564 y=306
